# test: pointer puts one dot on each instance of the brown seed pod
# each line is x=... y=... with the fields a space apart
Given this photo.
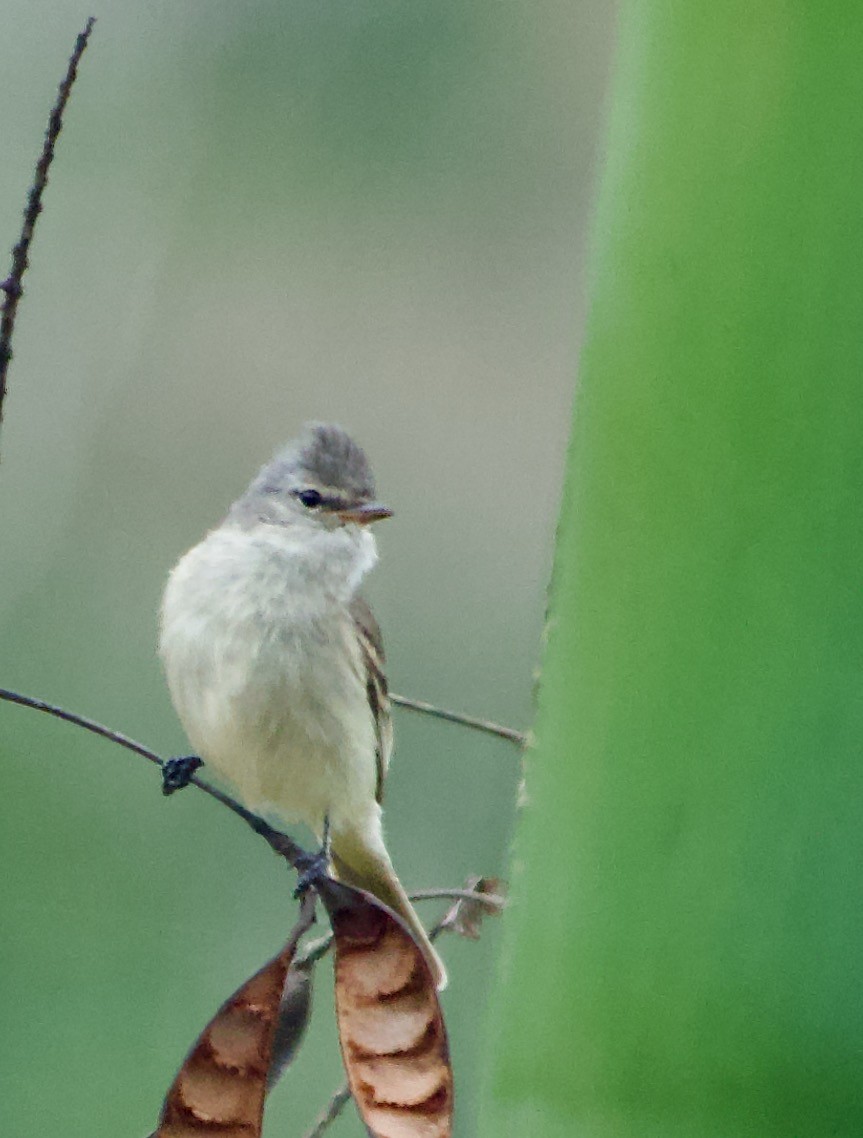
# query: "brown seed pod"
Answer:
x=220 y=1088
x=391 y=1028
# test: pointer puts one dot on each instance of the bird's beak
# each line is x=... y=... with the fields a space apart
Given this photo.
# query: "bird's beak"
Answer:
x=365 y=512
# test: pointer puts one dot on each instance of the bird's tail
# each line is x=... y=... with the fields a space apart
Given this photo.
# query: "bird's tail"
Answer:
x=367 y=868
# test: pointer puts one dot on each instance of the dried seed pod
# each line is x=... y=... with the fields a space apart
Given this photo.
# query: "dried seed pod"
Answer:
x=220 y=1088
x=294 y=1013
x=391 y=1028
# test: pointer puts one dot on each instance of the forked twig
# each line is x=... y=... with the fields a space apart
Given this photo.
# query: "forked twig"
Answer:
x=494 y=902
x=282 y=845
x=491 y=901
x=12 y=286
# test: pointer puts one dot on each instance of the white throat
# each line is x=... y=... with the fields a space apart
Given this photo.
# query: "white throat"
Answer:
x=279 y=567
x=331 y=562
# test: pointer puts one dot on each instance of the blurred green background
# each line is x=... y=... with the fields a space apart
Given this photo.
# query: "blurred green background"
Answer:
x=259 y=214
x=687 y=965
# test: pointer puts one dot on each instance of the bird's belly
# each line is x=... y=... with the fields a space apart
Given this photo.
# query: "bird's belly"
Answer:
x=280 y=712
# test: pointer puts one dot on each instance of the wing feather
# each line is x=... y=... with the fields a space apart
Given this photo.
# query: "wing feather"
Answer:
x=374 y=661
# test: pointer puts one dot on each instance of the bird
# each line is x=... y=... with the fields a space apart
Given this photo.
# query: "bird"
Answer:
x=275 y=662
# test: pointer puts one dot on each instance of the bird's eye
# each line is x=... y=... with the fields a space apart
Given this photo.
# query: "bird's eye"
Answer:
x=309 y=498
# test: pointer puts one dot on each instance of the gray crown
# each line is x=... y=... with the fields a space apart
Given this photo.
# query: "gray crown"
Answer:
x=324 y=456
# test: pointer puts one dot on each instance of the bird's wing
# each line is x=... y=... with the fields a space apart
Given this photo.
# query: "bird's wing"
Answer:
x=374 y=661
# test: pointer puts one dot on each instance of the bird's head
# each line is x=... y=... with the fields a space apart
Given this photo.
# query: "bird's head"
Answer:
x=322 y=480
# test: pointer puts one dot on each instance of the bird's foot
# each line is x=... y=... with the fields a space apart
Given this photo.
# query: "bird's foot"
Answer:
x=312 y=867
x=177 y=773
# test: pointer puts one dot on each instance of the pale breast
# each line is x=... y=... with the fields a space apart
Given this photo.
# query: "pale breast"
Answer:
x=267 y=678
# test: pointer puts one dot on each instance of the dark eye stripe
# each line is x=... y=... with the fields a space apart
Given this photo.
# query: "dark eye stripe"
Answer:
x=314 y=499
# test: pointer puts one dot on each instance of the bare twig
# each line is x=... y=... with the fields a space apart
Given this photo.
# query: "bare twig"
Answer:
x=277 y=841
x=12 y=286
x=287 y=849
x=80 y=721
x=491 y=901
x=314 y=951
x=124 y=741
x=330 y=1112
x=318 y=949
x=472 y=721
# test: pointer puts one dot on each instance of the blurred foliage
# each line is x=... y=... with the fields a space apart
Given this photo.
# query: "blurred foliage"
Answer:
x=262 y=213
x=683 y=950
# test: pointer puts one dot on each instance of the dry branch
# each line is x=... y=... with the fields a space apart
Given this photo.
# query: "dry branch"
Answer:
x=472 y=721
x=390 y=1023
x=12 y=286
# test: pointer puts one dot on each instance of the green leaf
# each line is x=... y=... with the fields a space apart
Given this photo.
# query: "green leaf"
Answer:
x=684 y=944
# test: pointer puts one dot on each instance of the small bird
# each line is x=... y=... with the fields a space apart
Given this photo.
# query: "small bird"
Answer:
x=275 y=662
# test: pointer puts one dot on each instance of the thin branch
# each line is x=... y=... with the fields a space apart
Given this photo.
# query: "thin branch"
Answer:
x=319 y=948
x=12 y=286
x=277 y=841
x=487 y=725
x=283 y=846
x=330 y=1112
x=492 y=901
x=124 y=741
x=80 y=721
x=314 y=951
